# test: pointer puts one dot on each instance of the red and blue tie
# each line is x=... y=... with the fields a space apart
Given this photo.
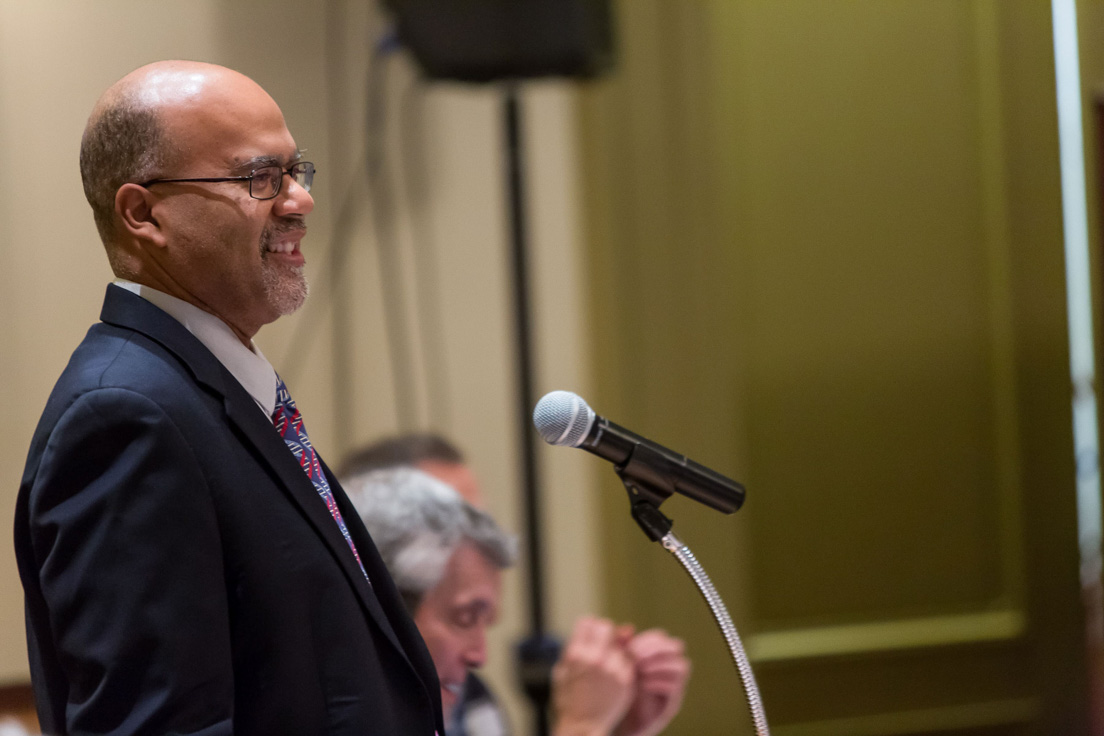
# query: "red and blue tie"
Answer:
x=289 y=423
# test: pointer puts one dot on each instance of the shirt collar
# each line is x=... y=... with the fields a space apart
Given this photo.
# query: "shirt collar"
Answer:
x=247 y=364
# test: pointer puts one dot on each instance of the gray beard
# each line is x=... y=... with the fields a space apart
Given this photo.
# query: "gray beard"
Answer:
x=286 y=288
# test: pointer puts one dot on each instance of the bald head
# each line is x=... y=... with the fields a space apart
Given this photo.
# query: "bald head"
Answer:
x=170 y=158
x=139 y=128
x=174 y=83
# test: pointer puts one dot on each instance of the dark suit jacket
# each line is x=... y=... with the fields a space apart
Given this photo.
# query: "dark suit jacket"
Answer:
x=182 y=575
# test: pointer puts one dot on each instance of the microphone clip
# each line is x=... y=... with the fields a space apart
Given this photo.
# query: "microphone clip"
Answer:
x=647 y=488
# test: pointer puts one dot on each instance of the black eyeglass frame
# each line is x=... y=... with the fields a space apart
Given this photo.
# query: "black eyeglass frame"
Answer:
x=279 y=182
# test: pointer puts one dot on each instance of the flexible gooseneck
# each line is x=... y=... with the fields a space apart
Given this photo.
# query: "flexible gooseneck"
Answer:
x=697 y=573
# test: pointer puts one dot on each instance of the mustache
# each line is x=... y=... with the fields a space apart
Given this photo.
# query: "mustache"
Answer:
x=287 y=226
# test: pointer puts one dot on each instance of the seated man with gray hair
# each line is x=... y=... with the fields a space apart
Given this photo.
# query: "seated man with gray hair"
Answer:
x=446 y=557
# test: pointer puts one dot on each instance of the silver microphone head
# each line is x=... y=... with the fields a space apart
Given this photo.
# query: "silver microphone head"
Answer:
x=563 y=418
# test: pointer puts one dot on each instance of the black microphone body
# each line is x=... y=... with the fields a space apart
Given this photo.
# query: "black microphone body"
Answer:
x=646 y=464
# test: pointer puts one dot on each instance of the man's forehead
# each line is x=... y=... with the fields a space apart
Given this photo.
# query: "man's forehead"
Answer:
x=238 y=139
x=479 y=599
x=472 y=573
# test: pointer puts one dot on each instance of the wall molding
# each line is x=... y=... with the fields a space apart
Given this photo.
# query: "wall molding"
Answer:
x=915 y=633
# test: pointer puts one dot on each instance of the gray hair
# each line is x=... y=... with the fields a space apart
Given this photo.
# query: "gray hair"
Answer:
x=417 y=522
x=123 y=142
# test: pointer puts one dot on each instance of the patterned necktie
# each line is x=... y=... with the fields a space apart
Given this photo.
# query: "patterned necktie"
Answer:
x=289 y=423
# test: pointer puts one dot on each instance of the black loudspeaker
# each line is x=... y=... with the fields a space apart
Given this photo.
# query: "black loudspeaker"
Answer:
x=488 y=40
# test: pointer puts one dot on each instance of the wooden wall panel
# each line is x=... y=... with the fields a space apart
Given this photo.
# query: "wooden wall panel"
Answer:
x=827 y=260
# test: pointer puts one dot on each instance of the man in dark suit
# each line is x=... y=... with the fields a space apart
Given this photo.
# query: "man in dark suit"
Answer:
x=190 y=565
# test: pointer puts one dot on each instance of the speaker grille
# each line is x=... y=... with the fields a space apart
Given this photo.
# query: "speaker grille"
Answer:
x=563 y=418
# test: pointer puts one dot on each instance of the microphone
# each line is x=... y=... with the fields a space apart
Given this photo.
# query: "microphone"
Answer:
x=564 y=419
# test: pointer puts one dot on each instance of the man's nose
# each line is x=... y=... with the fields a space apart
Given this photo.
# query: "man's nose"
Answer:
x=293 y=199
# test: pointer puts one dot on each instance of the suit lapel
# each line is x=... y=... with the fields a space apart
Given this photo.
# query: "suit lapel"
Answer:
x=412 y=644
x=124 y=309
x=243 y=412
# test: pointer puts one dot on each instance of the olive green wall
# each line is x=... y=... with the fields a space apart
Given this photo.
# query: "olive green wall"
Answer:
x=827 y=259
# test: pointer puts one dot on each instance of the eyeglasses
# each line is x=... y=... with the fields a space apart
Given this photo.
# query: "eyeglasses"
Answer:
x=264 y=183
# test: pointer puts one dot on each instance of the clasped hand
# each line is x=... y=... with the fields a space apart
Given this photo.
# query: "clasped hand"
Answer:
x=611 y=681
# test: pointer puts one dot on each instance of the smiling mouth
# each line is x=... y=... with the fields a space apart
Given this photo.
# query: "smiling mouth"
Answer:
x=284 y=240
x=283 y=246
x=455 y=688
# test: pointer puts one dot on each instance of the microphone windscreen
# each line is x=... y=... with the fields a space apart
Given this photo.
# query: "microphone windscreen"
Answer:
x=563 y=418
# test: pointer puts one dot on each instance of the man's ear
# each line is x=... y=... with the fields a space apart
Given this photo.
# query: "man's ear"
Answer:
x=134 y=206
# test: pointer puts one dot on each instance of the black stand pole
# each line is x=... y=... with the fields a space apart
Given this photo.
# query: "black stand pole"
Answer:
x=538 y=652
